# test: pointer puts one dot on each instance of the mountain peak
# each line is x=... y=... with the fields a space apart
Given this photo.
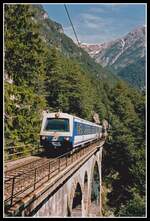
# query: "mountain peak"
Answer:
x=118 y=46
x=120 y=53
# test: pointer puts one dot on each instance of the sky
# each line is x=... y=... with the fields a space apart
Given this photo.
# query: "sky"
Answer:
x=98 y=23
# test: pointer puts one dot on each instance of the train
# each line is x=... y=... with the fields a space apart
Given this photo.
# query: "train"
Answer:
x=62 y=131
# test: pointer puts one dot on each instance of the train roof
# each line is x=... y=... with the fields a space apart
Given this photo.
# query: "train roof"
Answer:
x=68 y=115
x=53 y=114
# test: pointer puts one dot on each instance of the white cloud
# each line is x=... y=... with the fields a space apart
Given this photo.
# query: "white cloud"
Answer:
x=89 y=26
x=89 y=16
x=92 y=22
x=97 y=10
x=90 y=37
x=103 y=8
x=97 y=24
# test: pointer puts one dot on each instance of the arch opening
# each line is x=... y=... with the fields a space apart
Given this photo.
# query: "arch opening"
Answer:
x=95 y=191
x=77 y=201
x=86 y=180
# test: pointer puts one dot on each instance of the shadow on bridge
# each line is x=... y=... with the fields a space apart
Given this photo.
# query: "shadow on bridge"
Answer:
x=50 y=153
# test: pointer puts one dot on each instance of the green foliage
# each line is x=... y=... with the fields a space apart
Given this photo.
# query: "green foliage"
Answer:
x=135 y=206
x=52 y=34
x=133 y=73
x=24 y=50
x=68 y=87
x=24 y=63
x=126 y=150
x=22 y=114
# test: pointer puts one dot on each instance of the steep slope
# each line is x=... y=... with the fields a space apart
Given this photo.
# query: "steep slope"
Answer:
x=52 y=33
x=122 y=55
x=134 y=73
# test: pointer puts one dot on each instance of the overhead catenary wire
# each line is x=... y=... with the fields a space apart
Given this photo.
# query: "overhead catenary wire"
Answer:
x=71 y=24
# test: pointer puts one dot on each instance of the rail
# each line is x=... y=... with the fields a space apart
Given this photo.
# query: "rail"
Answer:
x=18 y=186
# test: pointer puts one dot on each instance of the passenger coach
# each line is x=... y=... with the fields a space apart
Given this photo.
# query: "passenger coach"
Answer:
x=66 y=132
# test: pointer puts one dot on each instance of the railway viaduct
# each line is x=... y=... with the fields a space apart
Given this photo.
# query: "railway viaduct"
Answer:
x=69 y=192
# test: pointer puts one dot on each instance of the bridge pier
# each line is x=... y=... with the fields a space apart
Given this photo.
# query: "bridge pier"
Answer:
x=85 y=203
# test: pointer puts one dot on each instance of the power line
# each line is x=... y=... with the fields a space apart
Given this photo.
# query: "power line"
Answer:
x=72 y=24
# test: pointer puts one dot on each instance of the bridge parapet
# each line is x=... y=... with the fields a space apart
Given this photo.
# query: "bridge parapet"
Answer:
x=61 y=186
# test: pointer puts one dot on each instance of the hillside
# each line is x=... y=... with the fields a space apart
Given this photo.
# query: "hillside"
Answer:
x=123 y=56
x=135 y=73
x=52 y=34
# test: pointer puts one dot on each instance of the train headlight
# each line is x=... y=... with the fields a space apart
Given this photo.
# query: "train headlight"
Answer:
x=66 y=138
x=43 y=137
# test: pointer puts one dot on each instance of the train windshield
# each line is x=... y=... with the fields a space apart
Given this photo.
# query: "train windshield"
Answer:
x=57 y=124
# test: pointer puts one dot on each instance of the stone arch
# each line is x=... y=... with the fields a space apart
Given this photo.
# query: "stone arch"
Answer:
x=96 y=181
x=72 y=193
x=95 y=161
x=94 y=164
x=77 y=201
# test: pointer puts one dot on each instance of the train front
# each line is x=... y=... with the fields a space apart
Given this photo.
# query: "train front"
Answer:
x=56 y=132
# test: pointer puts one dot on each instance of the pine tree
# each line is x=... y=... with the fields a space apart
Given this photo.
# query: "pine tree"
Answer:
x=25 y=64
x=126 y=150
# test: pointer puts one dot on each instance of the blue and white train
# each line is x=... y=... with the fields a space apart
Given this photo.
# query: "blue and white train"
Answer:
x=67 y=132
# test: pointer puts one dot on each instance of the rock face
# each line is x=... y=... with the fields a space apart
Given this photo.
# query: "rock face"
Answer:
x=121 y=53
x=96 y=117
x=111 y=53
x=41 y=16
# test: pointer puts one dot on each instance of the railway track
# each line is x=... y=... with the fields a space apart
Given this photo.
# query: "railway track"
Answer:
x=25 y=167
x=14 y=168
x=22 y=175
x=24 y=179
x=21 y=182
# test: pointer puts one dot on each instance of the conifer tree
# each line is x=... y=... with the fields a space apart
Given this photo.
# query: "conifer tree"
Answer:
x=24 y=63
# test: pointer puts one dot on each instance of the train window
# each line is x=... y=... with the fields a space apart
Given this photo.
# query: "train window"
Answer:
x=81 y=129
x=84 y=129
x=59 y=124
x=78 y=129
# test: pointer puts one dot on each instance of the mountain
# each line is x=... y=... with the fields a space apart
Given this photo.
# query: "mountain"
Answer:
x=124 y=56
x=52 y=33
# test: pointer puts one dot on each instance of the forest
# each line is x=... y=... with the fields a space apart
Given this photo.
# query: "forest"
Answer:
x=43 y=77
